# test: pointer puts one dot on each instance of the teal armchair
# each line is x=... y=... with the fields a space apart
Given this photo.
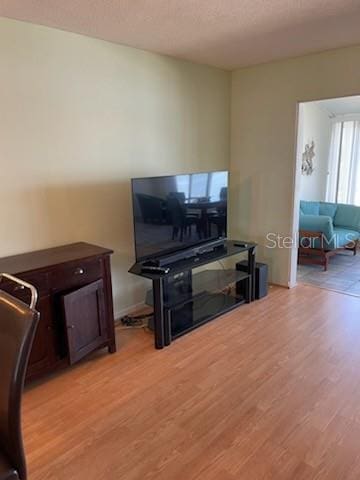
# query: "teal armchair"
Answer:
x=325 y=228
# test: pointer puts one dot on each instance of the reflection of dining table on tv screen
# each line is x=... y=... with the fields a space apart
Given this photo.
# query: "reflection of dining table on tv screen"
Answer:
x=178 y=211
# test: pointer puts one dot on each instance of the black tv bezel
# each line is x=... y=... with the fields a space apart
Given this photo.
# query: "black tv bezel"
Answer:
x=169 y=251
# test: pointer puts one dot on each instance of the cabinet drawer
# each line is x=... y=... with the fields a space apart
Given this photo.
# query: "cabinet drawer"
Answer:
x=75 y=274
x=38 y=280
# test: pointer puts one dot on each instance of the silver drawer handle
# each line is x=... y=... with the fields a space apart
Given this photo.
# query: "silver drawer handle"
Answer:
x=22 y=285
x=79 y=271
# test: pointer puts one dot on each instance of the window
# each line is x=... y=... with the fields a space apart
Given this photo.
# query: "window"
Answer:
x=344 y=163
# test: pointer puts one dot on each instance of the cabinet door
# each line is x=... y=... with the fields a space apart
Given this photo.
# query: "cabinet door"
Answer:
x=85 y=319
x=42 y=354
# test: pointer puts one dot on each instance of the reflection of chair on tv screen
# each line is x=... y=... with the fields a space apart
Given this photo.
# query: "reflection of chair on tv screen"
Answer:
x=219 y=217
x=219 y=220
x=223 y=194
x=180 y=219
x=151 y=208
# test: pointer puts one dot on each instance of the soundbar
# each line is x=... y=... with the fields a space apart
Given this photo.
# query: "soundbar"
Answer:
x=185 y=254
x=175 y=257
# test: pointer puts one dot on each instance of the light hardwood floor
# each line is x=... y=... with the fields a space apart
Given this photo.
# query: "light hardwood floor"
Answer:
x=270 y=391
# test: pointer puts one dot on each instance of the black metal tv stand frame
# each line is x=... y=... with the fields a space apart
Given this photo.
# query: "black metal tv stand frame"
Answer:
x=183 y=300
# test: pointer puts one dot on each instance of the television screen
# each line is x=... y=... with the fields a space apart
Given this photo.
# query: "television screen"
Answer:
x=179 y=211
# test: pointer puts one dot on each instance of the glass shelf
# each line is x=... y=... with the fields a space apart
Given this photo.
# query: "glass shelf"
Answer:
x=186 y=289
x=200 y=310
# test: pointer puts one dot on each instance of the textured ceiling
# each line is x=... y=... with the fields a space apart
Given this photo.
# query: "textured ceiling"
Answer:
x=341 y=106
x=224 y=33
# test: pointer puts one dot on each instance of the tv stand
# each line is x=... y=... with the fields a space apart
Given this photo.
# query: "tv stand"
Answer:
x=184 y=299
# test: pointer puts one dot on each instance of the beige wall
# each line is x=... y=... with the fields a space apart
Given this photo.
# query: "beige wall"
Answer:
x=78 y=118
x=264 y=111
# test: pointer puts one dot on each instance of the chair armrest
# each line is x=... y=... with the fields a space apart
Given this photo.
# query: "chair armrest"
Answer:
x=317 y=223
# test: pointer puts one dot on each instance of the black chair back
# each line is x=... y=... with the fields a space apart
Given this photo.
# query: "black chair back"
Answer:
x=18 y=323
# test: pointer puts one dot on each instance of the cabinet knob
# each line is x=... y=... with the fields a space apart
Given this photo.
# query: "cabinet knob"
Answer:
x=70 y=327
x=79 y=271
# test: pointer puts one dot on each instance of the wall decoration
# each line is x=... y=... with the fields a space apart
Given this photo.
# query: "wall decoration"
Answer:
x=307 y=165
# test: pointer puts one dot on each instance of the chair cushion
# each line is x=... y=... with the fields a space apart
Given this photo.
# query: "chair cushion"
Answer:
x=347 y=216
x=317 y=223
x=328 y=209
x=6 y=471
x=309 y=208
x=343 y=236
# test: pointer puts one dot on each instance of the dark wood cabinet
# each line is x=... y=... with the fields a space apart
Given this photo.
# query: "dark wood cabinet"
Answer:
x=43 y=352
x=75 y=302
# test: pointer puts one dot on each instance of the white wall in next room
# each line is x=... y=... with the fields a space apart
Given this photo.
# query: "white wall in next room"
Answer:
x=315 y=125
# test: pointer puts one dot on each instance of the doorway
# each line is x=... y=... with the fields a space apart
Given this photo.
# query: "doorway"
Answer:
x=328 y=195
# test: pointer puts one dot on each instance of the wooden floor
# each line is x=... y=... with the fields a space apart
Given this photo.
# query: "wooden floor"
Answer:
x=270 y=391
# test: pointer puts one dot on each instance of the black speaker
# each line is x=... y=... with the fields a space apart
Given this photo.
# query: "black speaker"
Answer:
x=261 y=277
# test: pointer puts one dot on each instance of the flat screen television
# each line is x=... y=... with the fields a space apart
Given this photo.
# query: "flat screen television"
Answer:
x=178 y=211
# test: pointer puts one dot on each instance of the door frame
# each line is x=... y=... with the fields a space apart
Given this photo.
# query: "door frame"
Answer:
x=293 y=262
